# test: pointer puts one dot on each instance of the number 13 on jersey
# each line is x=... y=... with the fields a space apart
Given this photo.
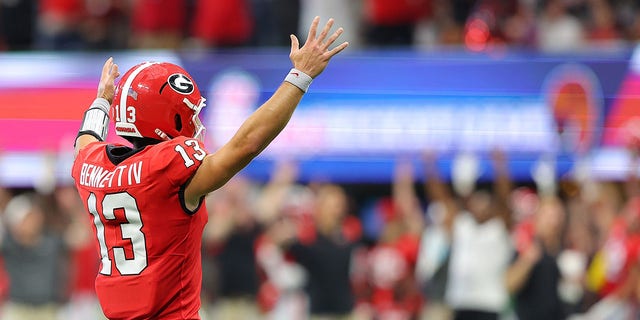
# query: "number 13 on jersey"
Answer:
x=131 y=230
x=198 y=153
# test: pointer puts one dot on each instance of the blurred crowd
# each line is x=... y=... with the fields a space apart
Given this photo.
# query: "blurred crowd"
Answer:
x=435 y=243
x=478 y=25
x=430 y=245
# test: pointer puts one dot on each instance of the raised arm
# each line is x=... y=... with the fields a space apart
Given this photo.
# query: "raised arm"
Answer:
x=96 y=118
x=437 y=191
x=405 y=198
x=269 y=119
x=502 y=186
x=274 y=195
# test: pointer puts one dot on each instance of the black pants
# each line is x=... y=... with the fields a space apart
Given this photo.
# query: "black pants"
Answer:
x=474 y=315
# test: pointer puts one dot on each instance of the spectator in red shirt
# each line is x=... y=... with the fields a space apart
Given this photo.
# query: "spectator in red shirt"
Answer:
x=393 y=289
x=222 y=23
x=615 y=269
x=158 y=24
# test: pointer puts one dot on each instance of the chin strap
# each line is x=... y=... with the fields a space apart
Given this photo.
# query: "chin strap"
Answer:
x=96 y=119
x=161 y=134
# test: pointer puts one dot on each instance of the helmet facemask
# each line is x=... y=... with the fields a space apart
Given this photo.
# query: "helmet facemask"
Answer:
x=199 y=128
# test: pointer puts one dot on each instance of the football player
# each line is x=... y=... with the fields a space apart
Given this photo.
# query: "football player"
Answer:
x=146 y=201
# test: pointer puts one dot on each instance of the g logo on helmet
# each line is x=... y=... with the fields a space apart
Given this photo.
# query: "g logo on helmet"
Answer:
x=180 y=83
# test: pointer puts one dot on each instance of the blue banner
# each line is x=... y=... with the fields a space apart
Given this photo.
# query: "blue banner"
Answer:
x=368 y=109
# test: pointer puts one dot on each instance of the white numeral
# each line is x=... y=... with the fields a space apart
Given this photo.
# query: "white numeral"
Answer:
x=131 y=114
x=131 y=230
x=198 y=154
x=106 y=262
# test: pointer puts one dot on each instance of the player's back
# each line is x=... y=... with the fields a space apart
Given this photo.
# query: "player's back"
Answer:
x=148 y=240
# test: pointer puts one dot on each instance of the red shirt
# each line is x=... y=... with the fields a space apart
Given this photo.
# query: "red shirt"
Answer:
x=394 y=12
x=159 y=15
x=391 y=270
x=65 y=8
x=149 y=242
x=222 y=22
x=621 y=250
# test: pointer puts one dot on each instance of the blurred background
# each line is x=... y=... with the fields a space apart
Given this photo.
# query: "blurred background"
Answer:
x=467 y=159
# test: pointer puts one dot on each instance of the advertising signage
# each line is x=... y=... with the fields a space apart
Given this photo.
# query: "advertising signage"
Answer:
x=368 y=109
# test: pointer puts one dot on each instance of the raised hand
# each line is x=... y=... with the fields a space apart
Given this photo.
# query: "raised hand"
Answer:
x=107 y=86
x=315 y=54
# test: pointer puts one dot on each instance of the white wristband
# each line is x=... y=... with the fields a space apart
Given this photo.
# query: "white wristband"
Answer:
x=96 y=119
x=299 y=79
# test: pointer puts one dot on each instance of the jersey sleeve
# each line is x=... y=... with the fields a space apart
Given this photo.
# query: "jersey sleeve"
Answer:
x=182 y=158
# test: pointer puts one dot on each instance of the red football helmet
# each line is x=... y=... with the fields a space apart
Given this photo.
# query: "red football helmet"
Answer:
x=157 y=100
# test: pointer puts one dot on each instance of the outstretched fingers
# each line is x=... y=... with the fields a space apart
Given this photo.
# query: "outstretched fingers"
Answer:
x=114 y=72
x=338 y=48
x=325 y=31
x=106 y=87
x=314 y=55
x=313 y=28
x=107 y=65
x=333 y=38
x=110 y=70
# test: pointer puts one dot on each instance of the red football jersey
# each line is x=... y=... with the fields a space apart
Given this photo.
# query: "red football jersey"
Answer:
x=149 y=242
